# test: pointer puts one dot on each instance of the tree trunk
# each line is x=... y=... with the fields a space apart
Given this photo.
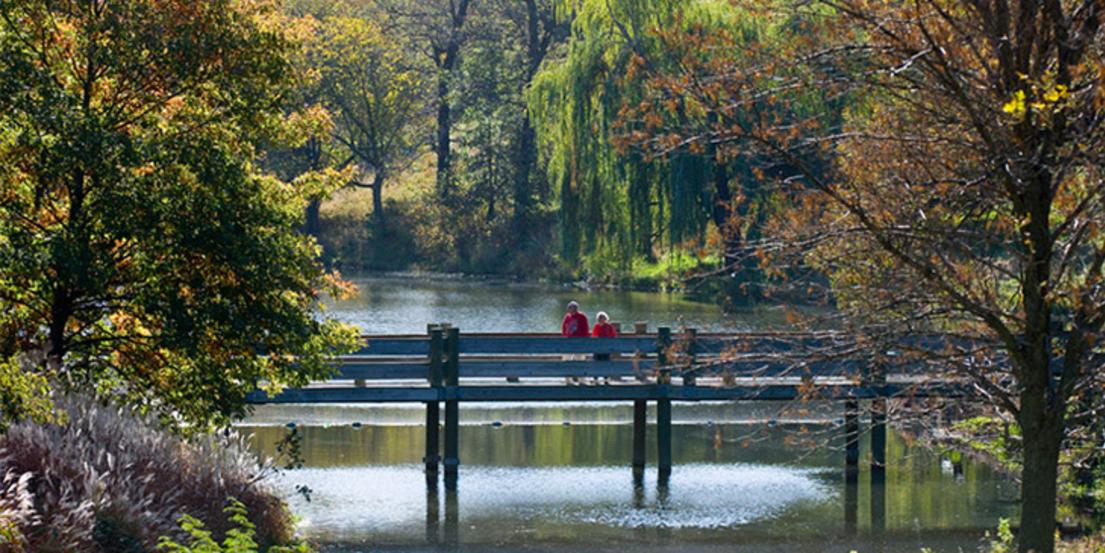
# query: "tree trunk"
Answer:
x=446 y=60
x=61 y=310
x=1038 y=486
x=524 y=166
x=311 y=223
x=525 y=160
x=378 y=198
x=444 y=130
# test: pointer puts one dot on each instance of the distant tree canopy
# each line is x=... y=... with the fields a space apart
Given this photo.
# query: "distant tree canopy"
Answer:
x=143 y=255
x=623 y=203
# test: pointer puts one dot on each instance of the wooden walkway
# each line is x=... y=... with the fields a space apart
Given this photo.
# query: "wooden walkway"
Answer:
x=444 y=366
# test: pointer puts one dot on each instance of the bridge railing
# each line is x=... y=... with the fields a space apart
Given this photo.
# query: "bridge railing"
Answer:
x=684 y=354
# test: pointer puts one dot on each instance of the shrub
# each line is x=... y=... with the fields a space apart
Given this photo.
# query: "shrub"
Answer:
x=239 y=539
x=111 y=480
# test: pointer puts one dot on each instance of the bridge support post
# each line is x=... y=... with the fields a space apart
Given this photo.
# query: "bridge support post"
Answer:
x=663 y=406
x=452 y=407
x=876 y=381
x=433 y=408
x=851 y=465
x=640 y=421
x=878 y=464
x=663 y=437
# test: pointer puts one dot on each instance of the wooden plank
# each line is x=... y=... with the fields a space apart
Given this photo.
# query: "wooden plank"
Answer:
x=706 y=344
x=476 y=343
x=381 y=370
x=352 y=368
x=757 y=366
x=538 y=369
x=347 y=395
x=508 y=344
x=390 y=345
x=764 y=392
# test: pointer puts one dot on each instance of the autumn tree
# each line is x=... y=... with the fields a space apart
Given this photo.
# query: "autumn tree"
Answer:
x=961 y=195
x=143 y=255
x=374 y=94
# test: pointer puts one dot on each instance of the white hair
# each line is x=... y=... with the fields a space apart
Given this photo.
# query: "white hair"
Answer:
x=602 y=315
x=572 y=304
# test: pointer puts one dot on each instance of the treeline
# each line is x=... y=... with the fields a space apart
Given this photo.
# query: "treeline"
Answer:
x=483 y=136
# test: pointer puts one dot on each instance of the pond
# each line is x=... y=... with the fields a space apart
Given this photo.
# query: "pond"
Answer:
x=556 y=477
x=405 y=304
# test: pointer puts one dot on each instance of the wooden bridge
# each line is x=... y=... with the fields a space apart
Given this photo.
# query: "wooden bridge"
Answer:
x=445 y=366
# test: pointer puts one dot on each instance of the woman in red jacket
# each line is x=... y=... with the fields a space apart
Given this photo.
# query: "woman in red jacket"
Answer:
x=603 y=328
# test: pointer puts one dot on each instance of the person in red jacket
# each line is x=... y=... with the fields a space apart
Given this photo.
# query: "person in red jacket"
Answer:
x=575 y=322
x=603 y=328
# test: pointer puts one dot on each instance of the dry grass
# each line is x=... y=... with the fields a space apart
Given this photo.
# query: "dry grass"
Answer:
x=1088 y=544
x=110 y=480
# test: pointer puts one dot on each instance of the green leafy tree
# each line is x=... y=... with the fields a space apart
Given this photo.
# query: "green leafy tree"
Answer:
x=373 y=89
x=142 y=253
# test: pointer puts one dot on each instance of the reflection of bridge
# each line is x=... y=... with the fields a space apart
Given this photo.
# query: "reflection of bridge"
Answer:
x=445 y=366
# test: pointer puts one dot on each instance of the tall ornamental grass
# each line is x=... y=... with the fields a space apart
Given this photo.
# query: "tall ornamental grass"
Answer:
x=112 y=481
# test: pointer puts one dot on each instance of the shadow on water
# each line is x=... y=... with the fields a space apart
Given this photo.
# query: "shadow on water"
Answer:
x=555 y=487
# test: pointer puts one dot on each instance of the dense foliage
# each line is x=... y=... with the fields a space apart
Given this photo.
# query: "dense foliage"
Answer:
x=142 y=253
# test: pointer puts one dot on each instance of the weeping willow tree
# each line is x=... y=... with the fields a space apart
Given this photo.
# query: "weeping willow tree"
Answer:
x=618 y=205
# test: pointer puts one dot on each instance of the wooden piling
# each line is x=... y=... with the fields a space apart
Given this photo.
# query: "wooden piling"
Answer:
x=878 y=465
x=878 y=435
x=452 y=407
x=433 y=408
x=876 y=380
x=640 y=422
x=851 y=465
x=663 y=404
x=851 y=440
x=878 y=424
x=663 y=437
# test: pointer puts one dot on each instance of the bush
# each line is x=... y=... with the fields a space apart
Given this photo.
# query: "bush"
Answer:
x=239 y=539
x=111 y=480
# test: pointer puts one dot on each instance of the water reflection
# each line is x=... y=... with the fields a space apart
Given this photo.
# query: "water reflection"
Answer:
x=555 y=487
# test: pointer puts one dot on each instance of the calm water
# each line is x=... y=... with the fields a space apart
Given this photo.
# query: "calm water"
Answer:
x=556 y=477
x=407 y=304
